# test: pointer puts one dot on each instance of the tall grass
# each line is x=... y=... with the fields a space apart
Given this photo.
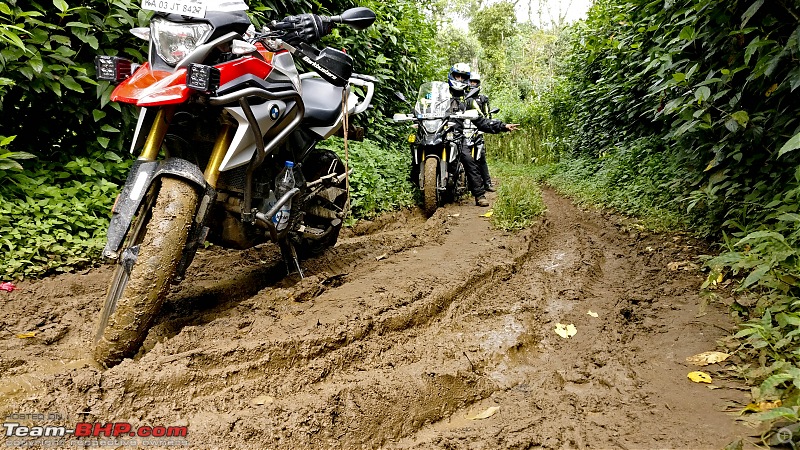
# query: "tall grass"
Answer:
x=519 y=200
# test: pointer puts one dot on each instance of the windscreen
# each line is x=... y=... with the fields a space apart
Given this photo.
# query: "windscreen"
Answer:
x=433 y=100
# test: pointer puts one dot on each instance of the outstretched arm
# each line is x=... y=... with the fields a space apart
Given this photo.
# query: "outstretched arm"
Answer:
x=493 y=126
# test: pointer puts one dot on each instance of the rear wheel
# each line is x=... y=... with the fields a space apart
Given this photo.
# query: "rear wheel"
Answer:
x=140 y=282
x=325 y=210
x=430 y=188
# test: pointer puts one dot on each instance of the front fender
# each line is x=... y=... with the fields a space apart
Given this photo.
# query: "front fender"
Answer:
x=140 y=178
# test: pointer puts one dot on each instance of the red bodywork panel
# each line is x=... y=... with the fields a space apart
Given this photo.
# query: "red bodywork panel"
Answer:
x=148 y=87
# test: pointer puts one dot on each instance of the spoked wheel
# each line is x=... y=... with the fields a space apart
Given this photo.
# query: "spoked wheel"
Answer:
x=149 y=256
x=430 y=189
x=325 y=210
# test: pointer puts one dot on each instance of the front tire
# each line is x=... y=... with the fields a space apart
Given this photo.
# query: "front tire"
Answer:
x=140 y=283
x=430 y=188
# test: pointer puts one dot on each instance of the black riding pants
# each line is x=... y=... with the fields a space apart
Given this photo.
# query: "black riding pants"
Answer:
x=474 y=177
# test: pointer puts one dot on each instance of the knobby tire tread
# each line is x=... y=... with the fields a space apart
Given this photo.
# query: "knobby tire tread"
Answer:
x=132 y=314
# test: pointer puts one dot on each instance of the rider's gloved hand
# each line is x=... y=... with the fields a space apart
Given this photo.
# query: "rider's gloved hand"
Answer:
x=306 y=27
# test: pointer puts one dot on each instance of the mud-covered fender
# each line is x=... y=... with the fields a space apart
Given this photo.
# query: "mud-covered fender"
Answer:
x=140 y=178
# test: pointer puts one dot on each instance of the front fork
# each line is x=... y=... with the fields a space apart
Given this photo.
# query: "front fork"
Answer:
x=144 y=172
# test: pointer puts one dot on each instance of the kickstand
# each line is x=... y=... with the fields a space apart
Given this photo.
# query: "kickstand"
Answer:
x=290 y=258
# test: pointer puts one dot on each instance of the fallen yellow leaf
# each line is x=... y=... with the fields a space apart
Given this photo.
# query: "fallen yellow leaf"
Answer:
x=27 y=335
x=761 y=406
x=706 y=358
x=699 y=377
x=488 y=213
x=592 y=313
x=566 y=331
x=489 y=412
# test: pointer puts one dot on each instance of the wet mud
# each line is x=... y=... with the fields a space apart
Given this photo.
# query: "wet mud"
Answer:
x=398 y=338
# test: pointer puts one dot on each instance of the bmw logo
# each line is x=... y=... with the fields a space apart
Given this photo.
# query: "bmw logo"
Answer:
x=274 y=112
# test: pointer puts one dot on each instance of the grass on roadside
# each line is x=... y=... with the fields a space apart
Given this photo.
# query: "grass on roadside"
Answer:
x=519 y=200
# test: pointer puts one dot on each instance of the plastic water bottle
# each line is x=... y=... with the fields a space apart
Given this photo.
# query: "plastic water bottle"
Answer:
x=283 y=183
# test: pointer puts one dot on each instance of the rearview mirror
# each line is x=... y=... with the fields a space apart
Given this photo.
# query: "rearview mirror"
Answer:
x=358 y=18
x=494 y=111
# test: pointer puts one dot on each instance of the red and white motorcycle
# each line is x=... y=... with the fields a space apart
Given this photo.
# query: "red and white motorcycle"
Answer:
x=226 y=135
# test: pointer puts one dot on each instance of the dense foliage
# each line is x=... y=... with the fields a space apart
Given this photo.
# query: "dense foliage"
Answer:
x=63 y=146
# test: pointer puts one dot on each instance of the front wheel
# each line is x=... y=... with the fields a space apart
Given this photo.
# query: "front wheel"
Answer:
x=460 y=187
x=140 y=282
x=430 y=189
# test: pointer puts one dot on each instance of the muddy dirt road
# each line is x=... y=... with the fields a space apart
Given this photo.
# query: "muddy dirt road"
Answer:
x=397 y=338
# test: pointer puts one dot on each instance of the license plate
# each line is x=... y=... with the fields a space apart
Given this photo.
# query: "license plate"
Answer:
x=191 y=8
x=429 y=116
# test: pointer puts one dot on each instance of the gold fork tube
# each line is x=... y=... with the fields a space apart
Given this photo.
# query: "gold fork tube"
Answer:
x=157 y=132
x=224 y=140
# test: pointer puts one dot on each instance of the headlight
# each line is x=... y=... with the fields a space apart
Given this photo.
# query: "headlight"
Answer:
x=174 y=41
x=432 y=126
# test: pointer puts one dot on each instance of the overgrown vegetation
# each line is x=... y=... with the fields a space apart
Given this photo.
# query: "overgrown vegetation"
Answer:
x=379 y=181
x=519 y=200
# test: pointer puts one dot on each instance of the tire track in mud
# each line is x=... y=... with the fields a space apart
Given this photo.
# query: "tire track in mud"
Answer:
x=395 y=335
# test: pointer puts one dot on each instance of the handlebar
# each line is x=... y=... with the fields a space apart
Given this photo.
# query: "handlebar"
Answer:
x=471 y=114
x=310 y=28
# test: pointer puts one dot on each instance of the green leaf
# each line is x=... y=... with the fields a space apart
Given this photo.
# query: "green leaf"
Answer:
x=756 y=275
x=36 y=63
x=61 y=5
x=679 y=76
x=687 y=33
x=751 y=11
x=97 y=115
x=702 y=93
x=18 y=155
x=790 y=145
x=741 y=117
x=70 y=83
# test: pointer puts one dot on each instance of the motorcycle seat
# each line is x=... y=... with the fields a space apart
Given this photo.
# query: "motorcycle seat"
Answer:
x=323 y=102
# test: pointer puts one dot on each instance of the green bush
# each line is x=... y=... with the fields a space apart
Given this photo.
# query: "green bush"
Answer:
x=379 y=181
x=54 y=218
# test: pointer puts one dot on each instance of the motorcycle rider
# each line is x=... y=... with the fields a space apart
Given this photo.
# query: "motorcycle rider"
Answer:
x=458 y=79
x=482 y=103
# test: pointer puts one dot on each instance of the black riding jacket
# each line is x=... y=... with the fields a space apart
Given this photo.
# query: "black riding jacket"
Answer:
x=494 y=126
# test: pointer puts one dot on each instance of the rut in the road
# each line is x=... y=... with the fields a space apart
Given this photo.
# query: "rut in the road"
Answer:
x=398 y=333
